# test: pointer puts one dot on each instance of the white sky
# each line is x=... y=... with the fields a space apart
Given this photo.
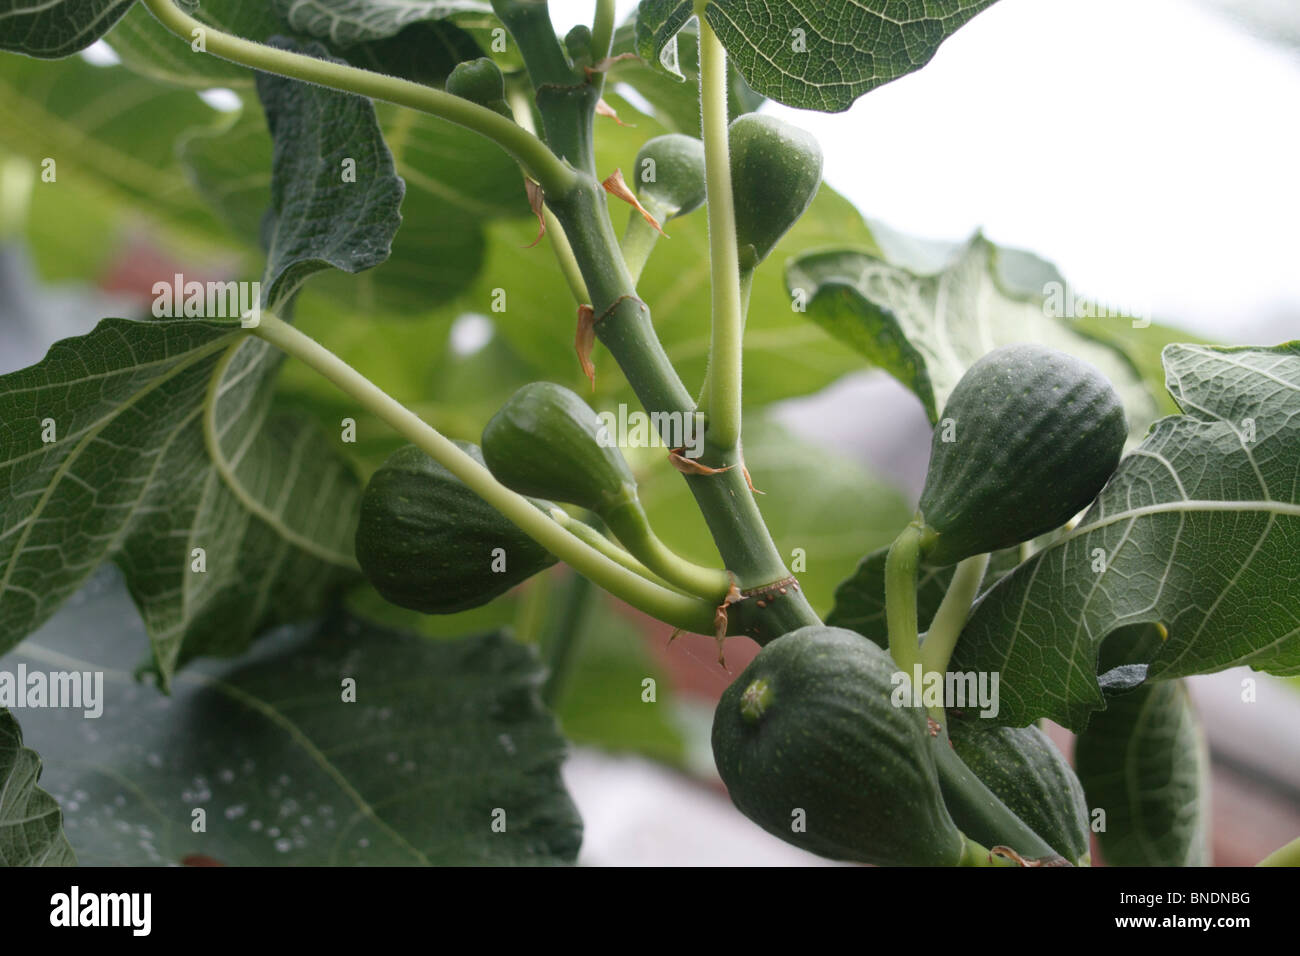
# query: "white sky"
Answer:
x=1148 y=147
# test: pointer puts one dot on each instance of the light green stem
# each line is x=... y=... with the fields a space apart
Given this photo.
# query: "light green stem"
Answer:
x=529 y=151
x=602 y=544
x=679 y=610
x=602 y=30
x=901 y=565
x=941 y=639
x=631 y=525
x=564 y=256
x=724 y=400
x=638 y=242
x=1288 y=855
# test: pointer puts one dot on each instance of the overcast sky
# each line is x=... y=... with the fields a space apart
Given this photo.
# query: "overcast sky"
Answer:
x=1149 y=147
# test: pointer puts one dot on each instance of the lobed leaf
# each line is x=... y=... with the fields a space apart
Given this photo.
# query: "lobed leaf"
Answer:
x=143 y=441
x=442 y=740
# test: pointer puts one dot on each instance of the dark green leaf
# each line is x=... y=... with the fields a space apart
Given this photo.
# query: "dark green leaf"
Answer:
x=441 y=736
x=319 y=216
x=166 y=443
x=927 y=329
x=1143 y=761
x=813 y=54
x=345 y=22
x=55 y=28
x=31 y=824
x=1196 y=530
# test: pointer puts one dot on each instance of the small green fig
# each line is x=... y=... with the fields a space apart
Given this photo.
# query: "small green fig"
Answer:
x=546 y=442
x=775 y=171
x=481 y=82
x=670 y=175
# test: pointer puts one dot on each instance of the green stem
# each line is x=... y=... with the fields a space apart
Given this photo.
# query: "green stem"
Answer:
x=987 y=818
x=973 y=854
x=638 y=242
x=530 y=152
x=679 y=610
x=631 y=526
x=725 y=349
x=1288 y=855
x=945 y=629
x=746 y=286
x=609 y=549
x=563 y=635
x=901 y=564
x=623 y=325
x=602 y=30
x=565 y=98
x=564 y=256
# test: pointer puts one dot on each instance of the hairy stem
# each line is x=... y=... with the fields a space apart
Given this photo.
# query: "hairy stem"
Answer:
x=725 y=349
x=530 y=152
x=677 y=609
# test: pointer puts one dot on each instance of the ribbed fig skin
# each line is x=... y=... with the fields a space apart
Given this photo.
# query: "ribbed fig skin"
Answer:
x=1031 y=776
x=426 y=541
x=546 y=442
x=830 y=743
x=1038 y=434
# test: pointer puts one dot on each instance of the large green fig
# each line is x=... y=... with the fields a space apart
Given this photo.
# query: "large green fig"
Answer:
x=547 y=442
x=1027 y=439
x=775 y=171
x=812 y=749
x=428 y=543
x=481 y=82
x=1031 y=776
x=670 y=175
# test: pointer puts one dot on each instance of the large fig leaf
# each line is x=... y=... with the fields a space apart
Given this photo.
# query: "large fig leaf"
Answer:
x=813 y=54
x=1196 y=530
x=153 y=444
x=31 y=824
x=355 y=745
x=927 y=329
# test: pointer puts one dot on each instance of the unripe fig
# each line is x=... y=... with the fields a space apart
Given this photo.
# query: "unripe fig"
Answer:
x=547 y=442
x=428 y=543
x=812 y=749
x=670 y=175
x=1027 y=439
x=775 y=171
x=481 y=82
